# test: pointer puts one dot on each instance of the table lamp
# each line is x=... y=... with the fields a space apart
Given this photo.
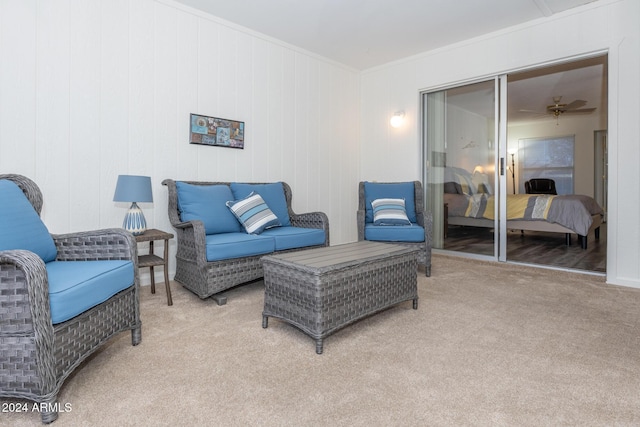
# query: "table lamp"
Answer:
x=134 y=189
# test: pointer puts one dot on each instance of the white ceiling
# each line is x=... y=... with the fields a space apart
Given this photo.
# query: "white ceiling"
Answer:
x=368 y=33
x=580 y=80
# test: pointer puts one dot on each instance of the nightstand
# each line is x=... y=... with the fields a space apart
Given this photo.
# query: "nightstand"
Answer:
x=151 y=260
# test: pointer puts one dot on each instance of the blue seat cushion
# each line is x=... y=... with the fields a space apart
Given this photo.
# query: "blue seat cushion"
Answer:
x=20 y=224
x=207 y=203
x=394 y=233
x=237 y=245
x=76 y=286
x=295 y=237
x=273 y=195
x=394 y=190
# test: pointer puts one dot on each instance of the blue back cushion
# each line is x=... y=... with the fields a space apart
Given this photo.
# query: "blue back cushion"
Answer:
x=273 y=195
x=396 y=190
x=20 y=225
x=208 y=203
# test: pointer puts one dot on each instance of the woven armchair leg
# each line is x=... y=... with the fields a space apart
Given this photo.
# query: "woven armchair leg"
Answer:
x=220 y=299
x=49 y=411
x=136 y=336
x=427 y=270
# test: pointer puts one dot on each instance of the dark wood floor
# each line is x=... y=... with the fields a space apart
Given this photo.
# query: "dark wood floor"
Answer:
x=534 y=247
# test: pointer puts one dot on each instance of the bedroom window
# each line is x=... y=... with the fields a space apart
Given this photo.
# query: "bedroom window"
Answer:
x=548 y=157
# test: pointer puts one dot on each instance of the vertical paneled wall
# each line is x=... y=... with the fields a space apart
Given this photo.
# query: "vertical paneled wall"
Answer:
x=90 y=89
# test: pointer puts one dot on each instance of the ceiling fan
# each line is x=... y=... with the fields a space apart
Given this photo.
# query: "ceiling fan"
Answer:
x=557 y=108
x=572 y=108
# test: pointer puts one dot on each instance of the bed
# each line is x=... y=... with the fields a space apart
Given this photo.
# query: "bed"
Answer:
x=470 y=202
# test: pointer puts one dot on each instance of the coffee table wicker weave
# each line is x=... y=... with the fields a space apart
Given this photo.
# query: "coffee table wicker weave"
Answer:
x=322 y=290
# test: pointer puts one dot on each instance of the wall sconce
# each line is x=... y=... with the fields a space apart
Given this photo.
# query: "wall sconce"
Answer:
x=397 y=119
x=134 y=189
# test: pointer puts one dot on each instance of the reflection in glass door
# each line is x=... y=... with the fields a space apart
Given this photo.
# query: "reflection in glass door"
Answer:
x=459 y=167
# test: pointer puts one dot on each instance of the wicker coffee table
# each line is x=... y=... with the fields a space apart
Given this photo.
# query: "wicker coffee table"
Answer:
x=322 y=290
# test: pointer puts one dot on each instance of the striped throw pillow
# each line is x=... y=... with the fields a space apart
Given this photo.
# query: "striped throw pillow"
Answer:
x=389 y=212
x=253 y=213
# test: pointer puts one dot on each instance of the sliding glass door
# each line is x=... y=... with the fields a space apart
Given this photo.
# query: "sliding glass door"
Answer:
x=461 y=170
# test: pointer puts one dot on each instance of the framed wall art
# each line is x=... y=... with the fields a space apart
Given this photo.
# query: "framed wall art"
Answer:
x=214 y=131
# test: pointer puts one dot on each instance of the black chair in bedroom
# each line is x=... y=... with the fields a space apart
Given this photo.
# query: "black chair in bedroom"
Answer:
x=540 y=186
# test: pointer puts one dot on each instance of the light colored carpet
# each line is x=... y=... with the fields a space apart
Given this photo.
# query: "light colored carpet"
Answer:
x=490 y=344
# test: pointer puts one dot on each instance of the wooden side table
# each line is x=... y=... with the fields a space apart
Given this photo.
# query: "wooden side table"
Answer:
x=151 y=260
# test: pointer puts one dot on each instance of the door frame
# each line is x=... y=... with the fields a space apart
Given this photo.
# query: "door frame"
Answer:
x=501 y=154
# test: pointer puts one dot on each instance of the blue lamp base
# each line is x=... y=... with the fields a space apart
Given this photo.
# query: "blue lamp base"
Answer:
x=134 y=221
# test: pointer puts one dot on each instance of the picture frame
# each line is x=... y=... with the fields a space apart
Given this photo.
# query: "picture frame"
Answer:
x=215 y=131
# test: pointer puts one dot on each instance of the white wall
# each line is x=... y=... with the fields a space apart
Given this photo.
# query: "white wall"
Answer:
x=90 y=89
x=600 y=26
x=467 y=140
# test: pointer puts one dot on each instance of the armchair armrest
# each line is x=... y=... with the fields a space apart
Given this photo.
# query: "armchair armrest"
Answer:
x=106 y=244
x=427 y=224
x=191 y=238
x=312 y=220
x=360 y=217
x=25 y=291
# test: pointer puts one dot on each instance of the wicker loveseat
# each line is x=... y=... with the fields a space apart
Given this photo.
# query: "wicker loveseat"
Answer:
x=215 y=252
x=418 y=231
x=61 y=296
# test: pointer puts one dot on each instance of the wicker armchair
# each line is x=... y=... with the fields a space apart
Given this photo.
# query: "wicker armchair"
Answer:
x=36 y=356
x=423 y=219
x=209 y=278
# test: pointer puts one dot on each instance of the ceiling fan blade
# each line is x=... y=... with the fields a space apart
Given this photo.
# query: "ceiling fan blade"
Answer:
x=575 y=104
x=580 y=111
x=530 y=111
